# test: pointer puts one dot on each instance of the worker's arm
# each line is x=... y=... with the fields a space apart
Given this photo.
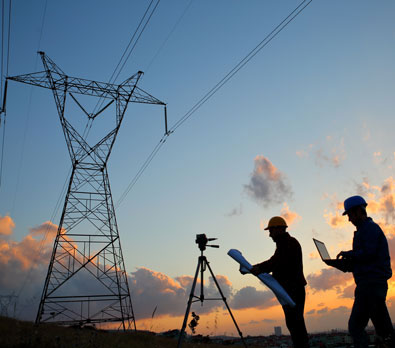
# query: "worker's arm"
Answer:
x=265 y=266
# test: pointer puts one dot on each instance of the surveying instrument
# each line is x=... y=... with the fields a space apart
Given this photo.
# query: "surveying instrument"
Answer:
x=203 y=264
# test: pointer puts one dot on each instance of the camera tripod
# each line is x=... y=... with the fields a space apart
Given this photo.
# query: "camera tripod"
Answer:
x=203 y=264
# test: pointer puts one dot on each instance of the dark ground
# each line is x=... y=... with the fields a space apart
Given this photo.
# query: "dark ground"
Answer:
x=22 y=334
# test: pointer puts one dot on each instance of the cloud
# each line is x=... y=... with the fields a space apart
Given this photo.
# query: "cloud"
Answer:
x=325 y=152
x=334 y=155
x=23 y=265
x=327 y=318
x=327 y=279
x=267 y=184
x=6 y=225
x=289 y=216
x=380 y=199
x=270 y=321
x=150 y=289
x=348 y=292
x=336 y=220
x=314 y=255
x=235 y=211
x=250 y=297
x=322 y=311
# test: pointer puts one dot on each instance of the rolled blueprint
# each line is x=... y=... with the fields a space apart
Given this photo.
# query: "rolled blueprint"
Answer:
x=267 y=279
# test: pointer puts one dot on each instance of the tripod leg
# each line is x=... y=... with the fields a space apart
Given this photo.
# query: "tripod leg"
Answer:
x=184 y=324
x=226 y=303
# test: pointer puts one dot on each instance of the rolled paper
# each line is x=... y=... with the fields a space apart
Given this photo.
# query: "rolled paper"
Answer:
x=265 y=278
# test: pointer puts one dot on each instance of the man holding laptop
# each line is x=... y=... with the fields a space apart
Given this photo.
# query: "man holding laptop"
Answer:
x=370 y=263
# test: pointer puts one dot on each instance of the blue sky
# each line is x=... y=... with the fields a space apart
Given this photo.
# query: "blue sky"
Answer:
x=317 y=103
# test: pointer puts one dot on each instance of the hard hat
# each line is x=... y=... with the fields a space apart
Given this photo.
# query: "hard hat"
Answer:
x=352 y=202
x=275 y=222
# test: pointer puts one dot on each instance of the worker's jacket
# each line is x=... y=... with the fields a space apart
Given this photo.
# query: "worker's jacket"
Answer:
x=286 y=265
x=369 y=254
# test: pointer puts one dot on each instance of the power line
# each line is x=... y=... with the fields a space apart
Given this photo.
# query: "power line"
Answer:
x=2 y=49
x=39 y=251
x=243 y=62
x=115 y=74
x=169 y=35
x=142 y=169
x=9 y=35
x=138 y=38
x=3 y=96
x=215 y=89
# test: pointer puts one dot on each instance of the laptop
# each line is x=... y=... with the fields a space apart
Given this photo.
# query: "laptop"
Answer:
x=340 y=264
x=322 y=250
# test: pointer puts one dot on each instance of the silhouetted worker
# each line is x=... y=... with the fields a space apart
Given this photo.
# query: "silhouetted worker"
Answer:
x=371 y=267
x=286 y=266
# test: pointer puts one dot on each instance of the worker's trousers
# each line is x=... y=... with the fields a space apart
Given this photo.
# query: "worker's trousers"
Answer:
x=294 y=318
x=369 y=303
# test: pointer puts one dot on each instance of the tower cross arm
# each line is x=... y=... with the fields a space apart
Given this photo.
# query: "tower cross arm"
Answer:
x=52 y=80
x=140 y=96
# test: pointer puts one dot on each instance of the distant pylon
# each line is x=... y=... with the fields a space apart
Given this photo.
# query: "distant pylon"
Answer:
x=86 y=280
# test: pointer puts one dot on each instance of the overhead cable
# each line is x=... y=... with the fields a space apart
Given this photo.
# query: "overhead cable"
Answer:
x=39 y=251
x=142 y=169
x=2 y=51
x=243 y=62
x=123 y=61
x=169 y=35
x=215 y=89
x=3 y=91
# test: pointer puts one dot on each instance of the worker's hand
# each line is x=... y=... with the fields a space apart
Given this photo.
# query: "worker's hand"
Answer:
x=255 y=270
x=344 y=255
x=243 y=270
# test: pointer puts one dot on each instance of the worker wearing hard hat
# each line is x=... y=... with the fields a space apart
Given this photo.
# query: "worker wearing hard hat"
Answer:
x=371 y=268
x=286 y=266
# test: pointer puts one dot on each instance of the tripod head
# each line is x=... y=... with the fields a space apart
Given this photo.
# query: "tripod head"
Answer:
x=201 y=240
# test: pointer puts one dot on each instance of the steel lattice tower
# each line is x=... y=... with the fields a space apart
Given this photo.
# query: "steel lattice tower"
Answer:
x=86 y=280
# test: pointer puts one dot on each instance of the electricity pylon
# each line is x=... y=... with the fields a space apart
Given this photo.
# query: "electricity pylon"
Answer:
x=86 y=280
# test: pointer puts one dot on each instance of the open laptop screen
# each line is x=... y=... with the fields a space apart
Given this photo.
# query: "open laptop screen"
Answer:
x=322 y=250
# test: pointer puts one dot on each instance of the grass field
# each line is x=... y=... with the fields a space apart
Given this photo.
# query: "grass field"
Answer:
x=21 y=334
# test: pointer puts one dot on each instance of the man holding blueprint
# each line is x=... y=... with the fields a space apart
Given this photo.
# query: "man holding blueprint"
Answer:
x=286 y=266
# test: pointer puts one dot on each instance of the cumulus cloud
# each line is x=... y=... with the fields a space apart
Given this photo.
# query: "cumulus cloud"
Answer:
x=23 y=264
x=314 y=255
x=267 y=184
x=150 y=289
x=347 y=292
x=335 y=220
x=380 y=198
x=289 y=216
x=327 y=279
x=250 y=297
x=6 y=225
